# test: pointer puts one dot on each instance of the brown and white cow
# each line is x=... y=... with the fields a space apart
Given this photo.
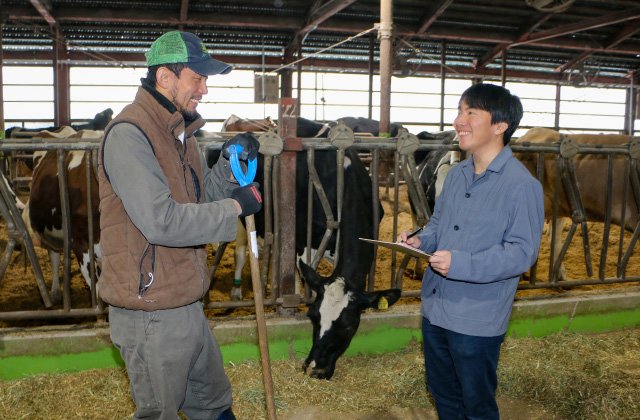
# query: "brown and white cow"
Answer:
x=235 y=123
x=591 y=176
x=43 y=213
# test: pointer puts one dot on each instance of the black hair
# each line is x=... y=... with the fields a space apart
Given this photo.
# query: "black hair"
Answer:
x=499 y=102
x=150 y=79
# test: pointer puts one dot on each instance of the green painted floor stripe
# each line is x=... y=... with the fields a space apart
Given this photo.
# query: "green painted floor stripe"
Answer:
x=23 y=366
x=589 y=323
x=381 y=339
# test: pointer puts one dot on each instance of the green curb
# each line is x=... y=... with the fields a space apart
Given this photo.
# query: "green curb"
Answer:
x=30 y=352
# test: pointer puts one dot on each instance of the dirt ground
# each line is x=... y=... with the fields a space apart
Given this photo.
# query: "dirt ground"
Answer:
x=19 y=292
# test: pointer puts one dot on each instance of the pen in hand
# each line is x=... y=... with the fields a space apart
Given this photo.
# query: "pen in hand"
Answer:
x=412 y=234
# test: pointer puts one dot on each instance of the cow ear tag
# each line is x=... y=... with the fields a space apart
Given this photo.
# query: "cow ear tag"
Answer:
x=383 y=303
x=243 y=179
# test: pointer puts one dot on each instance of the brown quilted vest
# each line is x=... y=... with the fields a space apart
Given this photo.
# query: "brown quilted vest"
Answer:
x=136 y=274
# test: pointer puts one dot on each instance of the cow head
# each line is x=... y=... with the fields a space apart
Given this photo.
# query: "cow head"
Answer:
x=335 y=316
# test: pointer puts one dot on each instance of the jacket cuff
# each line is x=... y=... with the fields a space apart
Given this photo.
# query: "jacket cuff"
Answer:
x=460 y=265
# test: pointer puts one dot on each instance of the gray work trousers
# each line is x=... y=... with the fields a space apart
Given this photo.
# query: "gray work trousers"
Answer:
x=173 y=361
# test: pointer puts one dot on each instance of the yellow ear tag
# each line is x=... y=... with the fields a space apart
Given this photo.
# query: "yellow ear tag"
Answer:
x=383 y=303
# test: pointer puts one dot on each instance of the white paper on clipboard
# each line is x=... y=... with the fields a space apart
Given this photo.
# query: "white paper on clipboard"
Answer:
x=414 y=252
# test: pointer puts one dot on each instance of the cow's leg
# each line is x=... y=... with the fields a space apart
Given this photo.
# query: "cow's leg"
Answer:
x=56 y=293
x=240 y=256
x=562 y=273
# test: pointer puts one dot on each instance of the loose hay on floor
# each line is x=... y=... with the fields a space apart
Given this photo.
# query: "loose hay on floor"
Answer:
x=575 y=376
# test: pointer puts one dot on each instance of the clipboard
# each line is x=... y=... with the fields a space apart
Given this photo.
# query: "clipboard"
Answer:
x=414 y=252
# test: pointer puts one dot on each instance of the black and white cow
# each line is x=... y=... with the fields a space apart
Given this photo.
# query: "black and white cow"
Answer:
x=367 y=125
x=325 y=163
x=341 y=297
x=99 y=122
x=433 y=165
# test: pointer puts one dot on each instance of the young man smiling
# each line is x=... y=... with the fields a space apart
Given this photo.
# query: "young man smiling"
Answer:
x=159 y=206
x=485 y=231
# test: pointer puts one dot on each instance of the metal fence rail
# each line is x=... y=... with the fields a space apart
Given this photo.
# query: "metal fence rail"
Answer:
x=402 y=147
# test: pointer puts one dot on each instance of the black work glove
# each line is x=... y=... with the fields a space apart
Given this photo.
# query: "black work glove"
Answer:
x=249 y=198
x=249 y=143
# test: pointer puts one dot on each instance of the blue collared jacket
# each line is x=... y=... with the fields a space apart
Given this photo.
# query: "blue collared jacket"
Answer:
x=493 y=228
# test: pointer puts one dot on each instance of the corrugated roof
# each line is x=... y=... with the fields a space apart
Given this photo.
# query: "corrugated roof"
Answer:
x=582 y=41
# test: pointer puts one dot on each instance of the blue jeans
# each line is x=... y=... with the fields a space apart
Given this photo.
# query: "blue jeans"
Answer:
x=461 y=373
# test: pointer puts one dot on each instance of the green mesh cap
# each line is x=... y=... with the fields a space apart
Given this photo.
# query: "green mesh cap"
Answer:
x=185 y=47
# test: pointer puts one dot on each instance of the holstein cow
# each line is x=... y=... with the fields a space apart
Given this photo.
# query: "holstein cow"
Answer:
x=366 y=125
x=591 y=175
x=306 y=128
x=43 y=213
x=341 y=297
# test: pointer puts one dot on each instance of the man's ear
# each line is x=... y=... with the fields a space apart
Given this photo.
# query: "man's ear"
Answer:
x=163 y=77
x=501 y=127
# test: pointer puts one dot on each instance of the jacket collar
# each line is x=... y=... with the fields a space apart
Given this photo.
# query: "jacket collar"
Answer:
x=175 y=121
x=496 y=164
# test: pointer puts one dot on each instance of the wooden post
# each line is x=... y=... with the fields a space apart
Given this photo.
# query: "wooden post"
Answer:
x=287 y=124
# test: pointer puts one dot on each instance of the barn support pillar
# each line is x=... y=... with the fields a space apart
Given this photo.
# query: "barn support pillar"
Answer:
x=1 y=87
x=556 y=118
x=385 y=33
x=443 y=76
x=503 y=73
x=372 y=44
x=630 y=109
x=286 y=77
x=287 y=126
x=60 y=80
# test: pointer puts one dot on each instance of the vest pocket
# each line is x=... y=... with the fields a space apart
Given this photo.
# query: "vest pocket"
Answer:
x=147 y=266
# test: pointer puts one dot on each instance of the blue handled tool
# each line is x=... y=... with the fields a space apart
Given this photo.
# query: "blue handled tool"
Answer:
x=252 y=166
x=243 y=180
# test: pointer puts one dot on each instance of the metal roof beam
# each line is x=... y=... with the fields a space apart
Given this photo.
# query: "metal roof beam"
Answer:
x=577 y=59
x=425 y=22
x=44 y=8
x=211 y=21
x=594 y=23
x=273 y=62
x=184 y=9
x=315 y=16
x=629 y=30
x=432 y=15
x=322 y=13
x=496 y=51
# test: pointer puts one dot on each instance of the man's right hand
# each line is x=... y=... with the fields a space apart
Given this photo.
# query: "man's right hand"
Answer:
x=414 y=241
x=249 y=199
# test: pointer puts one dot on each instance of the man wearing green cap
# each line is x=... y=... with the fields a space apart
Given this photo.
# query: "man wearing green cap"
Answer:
x=159 y=207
